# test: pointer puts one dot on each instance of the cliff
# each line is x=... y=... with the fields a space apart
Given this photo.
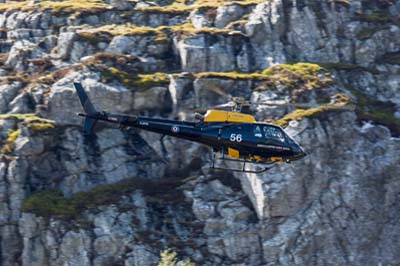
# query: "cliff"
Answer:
x=126 y=196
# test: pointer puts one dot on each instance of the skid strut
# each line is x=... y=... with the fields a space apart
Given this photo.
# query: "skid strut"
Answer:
x=243 y=169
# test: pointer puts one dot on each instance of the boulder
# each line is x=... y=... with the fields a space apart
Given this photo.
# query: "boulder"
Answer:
x=7 y=93
x=226 y=14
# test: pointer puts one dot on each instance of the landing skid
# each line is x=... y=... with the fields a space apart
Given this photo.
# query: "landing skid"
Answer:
x=243 y=169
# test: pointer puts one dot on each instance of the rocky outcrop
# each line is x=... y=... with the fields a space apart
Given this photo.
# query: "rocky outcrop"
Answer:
x=313 y=205
x=122 y=197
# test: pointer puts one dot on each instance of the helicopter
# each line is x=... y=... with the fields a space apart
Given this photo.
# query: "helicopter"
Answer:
x=236 y=135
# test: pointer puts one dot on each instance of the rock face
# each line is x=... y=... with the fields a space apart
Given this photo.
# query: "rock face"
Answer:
x=122 y=197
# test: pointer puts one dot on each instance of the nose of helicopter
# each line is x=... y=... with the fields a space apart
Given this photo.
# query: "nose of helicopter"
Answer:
x=298 y=152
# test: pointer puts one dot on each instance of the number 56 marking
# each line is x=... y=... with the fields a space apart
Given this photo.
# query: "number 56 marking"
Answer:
x=236 y=137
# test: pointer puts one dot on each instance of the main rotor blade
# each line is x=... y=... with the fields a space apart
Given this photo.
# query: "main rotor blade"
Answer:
x=285 y=103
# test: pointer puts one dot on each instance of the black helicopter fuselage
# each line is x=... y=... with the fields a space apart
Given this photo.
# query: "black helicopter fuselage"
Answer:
x=255 y=141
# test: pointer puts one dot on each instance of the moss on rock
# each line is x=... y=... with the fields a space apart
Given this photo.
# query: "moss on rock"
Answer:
x=37 y=124
x=341 y=103
x=57 y=7
x=370 y=109
x=297 y=75
x=139 y=82
x=105 y=33
x=34 y=123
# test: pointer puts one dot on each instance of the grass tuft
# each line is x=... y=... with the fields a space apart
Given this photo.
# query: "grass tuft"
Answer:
x=379 y=112
x=296 y=76
x=71 y=6
x=37 y=124
x=342 y=103
x=105 y=33
x=57 y=7
x=161 y=33
x=51 y=203
x=139 y=82
x=33 y=122
x=179 y=7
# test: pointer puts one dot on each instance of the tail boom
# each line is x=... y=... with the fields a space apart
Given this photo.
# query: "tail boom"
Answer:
x=92 y=116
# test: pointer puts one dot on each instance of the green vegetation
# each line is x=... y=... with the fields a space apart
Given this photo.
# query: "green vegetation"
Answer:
x=290 y=75
x=378 y=17
x=367 y=32
x=70 y=6
x=138 y=82
x=93 y=37
x=55 y=75
x=102 y=60
x=34 y=123
x=178 y=6
x=50 y=203
x=345 y=66
x=297 y=75
x=342 y=103
x=8 y=145
x=368 y=108
x=93 y=6
x=169 y=258
x=230 y=75
x=105 y=33
x=17 y=116
x=12 y=5
x=66 y=6
x=37 y=124
x=303 y=69
x=391 y=58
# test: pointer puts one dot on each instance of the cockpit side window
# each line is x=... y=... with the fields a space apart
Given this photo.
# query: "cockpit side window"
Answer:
x=274 y=133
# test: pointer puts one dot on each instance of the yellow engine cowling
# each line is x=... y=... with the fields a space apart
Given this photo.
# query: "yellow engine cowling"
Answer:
x=226 y=116
x=233 y=153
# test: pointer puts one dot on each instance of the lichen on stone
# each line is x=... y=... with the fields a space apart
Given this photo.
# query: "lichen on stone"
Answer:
x=8 y=144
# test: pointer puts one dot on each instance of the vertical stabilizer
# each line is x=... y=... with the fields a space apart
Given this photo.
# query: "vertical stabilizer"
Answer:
x=89 y=109
x=85 y=101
